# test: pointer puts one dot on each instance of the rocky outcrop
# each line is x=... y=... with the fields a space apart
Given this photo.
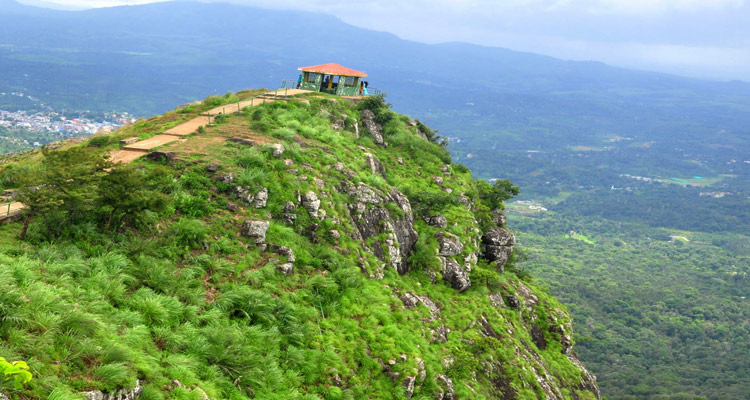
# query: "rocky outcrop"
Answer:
x=225 y=178
x=447 y=391
x=375 y=166
x=122 y=394
x=243 y=141
x=450 y=244
x=212 y=167
x=498 y=217
x=588 y=381
x=368 y=120
x=311 y=203
x=255 y=230
x=288 y=215
x=286 y=268
x=277 y=149
x=372 y=218
x=497 y=246
x=257 y=199
x=437 y=221
x=338 y=125
x=455 y=274
x=160 y=156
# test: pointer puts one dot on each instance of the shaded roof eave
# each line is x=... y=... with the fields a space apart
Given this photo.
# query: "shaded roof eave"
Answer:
x=333 y=69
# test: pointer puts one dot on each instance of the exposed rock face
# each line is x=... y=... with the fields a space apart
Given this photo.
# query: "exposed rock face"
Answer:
x=122 y=394
x=286 y=268
x=496 y=299
x=311 y=203
x=255 y=230
x=498 y=217
x=288 y=216
x=368 y=120
x=445 y=383
x=243 y=141
x=409 y=300
x=438 y=221
x=455 y=275
x=372 y=218
x=497 y=245
x=588 y=382
x=375 y=166
x=283 y=251
x=450 y=244
x=261 y=197
x=277 y=149
x=3 y=397
x=213 y=167
x=225 y=178
x=257 y=200
x=160 y=156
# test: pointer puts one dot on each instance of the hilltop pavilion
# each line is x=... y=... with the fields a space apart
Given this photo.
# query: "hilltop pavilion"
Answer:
x=333 y=78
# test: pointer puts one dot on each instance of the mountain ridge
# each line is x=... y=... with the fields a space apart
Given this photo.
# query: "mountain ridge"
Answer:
x=294 y=235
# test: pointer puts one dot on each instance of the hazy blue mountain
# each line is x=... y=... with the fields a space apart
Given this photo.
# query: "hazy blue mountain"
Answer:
x=197 y=48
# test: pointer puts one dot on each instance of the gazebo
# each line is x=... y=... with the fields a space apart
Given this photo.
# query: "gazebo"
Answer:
x=333 y=78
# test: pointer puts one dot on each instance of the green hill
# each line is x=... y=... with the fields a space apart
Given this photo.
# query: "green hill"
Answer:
x=306 y=248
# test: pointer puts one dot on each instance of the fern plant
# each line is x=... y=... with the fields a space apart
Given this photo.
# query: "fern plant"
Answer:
x=18 y=371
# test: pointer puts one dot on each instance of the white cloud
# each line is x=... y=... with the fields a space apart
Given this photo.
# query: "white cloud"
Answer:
x=662 y=6
x=477 y=7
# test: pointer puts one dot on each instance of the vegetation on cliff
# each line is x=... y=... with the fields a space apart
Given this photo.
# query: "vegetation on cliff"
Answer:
x=309 y=248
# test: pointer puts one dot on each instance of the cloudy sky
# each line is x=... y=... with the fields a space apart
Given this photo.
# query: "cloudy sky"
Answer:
x=702 y=38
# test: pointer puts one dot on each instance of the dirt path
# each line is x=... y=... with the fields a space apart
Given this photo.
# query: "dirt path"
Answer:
x=8 y=210
x=237 y=107
x=136 y=150
x=125 y=156
x=152 y=142
x=189 y=127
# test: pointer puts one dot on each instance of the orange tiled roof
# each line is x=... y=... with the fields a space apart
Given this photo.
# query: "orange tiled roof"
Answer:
x=332 y=69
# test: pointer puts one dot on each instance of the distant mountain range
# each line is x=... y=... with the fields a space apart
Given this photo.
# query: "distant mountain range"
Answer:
x=147 y=59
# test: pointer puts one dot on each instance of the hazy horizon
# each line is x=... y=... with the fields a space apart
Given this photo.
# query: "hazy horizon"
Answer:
x=701 y=39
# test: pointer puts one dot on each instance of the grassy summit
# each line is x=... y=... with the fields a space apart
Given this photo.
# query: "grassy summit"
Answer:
x=279 y=253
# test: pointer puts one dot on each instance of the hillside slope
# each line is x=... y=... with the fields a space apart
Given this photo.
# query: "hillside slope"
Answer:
x=307 y=248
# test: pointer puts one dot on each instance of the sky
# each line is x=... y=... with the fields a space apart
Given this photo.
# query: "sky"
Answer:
x=698 y=38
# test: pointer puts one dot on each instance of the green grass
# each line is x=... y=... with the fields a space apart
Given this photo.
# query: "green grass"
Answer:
x=183 y=296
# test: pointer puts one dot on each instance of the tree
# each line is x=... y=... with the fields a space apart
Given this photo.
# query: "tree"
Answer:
x=126 y=193
x=494 y=196
x=64 y=190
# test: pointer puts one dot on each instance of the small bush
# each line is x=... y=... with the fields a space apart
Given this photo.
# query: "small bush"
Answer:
x=251 y=158
x=461 y=169
x=115 y=376
x=252 y=177
x=284 y=133
x=99 y=141
x=213 y=101
x=192 y=206
x=189 y=233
